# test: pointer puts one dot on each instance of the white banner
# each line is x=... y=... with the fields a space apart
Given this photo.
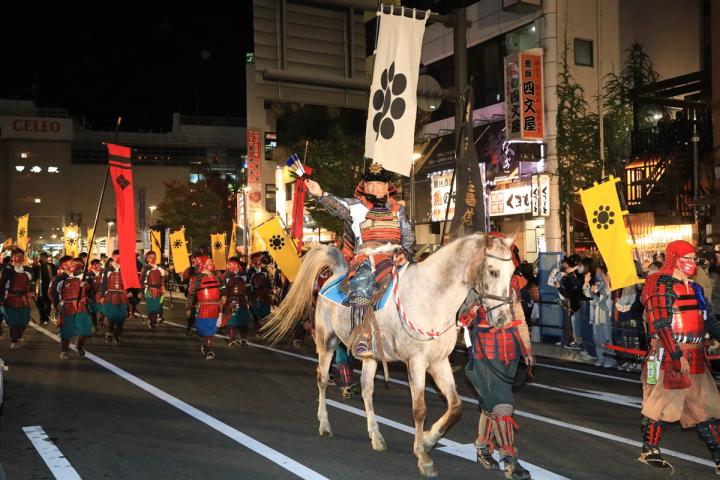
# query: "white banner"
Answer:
x=390 y=128
x=510 y=201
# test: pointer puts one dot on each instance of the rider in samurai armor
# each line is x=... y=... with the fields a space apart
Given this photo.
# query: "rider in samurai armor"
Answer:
x=259 y=280
x=152 y=278
x=16 y=290
x=677 y=382
x=114 y=298
x=71 y=293
x=493 y=362
x=380 y=234
x=94 y=281
x=204 y=297
x=187 y=277
x=235 y=310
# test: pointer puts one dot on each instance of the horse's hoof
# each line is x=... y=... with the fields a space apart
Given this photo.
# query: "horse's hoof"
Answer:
x=325 y=430
x=378 y=444
x=427 y=470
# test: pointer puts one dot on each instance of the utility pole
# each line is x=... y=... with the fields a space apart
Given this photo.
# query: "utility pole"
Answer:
x=695 y=139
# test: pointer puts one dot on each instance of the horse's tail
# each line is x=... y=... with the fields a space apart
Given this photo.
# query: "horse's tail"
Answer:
x=298 y=303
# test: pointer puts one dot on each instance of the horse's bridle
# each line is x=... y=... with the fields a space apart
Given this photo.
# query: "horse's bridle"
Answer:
x=481 y=290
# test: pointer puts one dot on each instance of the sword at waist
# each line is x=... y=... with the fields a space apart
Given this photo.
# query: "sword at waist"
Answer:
x=375 y=249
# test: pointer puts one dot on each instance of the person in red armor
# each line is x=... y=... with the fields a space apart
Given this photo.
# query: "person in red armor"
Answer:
x=152 y=278
x=16 y=290
x=677 y=383
x=70 y=293
x=497 y=349
x=94 y=280
x=114 y=298
x=235 y=310
x=260 y=282
x=204 y=297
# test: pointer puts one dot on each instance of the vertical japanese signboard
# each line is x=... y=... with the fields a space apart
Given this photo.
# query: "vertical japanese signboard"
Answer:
x=254 y=145
x=540 y=195
x=524 y=96
x=440 y=183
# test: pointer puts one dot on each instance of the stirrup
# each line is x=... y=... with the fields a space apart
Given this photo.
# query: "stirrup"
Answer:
x=515 y=471
x=485 y=458
x=652 y=456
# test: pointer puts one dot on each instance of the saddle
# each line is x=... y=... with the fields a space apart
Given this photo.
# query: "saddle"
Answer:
x=337 y=291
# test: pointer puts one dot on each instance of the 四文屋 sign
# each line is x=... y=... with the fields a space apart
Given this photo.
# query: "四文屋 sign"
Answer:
x=524 y=109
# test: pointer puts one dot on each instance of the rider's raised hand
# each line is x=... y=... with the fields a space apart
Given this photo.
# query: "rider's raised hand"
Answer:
x=314 y=187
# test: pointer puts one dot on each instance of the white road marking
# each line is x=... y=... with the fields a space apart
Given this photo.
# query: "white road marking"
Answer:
x=260 y=448
x=521 y=413
x=448 y=446
x=51 y=455
x=616 y=398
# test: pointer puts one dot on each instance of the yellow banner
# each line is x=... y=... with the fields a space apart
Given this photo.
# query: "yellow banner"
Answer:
x=607 y=225
x=87 y=242
x=280 y=246
x=232 y=247
x=178 y=247
x=217 y=242
x=71 y=233
x=155 y=244
x=22 y=231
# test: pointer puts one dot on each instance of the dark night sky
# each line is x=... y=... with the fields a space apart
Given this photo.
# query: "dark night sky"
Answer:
x=141 y=61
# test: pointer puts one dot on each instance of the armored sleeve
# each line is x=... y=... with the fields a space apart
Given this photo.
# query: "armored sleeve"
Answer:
x=712 y=323
x=407 y=234
x=4 y=280
x=659 y=308
x=336 y=206
x=192 y=288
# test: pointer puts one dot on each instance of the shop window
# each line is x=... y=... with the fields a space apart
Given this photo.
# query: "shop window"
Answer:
x=583 y=50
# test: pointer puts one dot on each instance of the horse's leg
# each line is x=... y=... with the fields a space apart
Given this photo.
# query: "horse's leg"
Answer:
x=325 y=356
x=442 y=374
x=416 y=370
x=367 y=382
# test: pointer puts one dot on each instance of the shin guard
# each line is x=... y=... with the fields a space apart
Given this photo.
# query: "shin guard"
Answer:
x=709 y=433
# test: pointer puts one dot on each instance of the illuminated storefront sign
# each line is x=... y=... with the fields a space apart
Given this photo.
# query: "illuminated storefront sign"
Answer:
x=440 y=192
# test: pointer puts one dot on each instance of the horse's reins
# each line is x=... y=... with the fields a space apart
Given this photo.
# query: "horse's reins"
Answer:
x=504 y=300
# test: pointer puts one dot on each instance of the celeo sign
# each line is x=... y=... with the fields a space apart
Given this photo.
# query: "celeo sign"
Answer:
x=36 y=128
x=524 y=106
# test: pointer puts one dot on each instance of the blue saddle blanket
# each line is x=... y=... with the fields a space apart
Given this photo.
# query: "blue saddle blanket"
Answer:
x=331 y=291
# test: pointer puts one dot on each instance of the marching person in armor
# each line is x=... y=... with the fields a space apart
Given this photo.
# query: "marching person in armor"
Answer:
x=114 y=298
x=152 y=278
x=72 y=294
x=235 y=310
x=382 y=233
x=204 y=297
x=497 y=349
x=94 y=281
x=260 y=282
x=16 y=289
x=187 y=277
x=677 y=383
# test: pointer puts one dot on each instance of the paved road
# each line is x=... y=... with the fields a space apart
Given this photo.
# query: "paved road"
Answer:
x=153 y=408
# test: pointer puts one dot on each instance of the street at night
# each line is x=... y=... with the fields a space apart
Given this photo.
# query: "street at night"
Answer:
x=152 y=407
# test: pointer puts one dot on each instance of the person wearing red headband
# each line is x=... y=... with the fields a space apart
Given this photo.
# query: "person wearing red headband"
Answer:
x=71 y=293
x=114 y=298
x=152 y=278
x=682 y=389
x=494 y=359
x=236 y=312
x=16 y=290
x=204 y=298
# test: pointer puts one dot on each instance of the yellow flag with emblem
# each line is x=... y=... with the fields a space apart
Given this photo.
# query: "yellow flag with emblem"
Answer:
x=22 y=231
x=155 y=244
x=607 y=225
x=178 y=248
x=72 y=240
x=87 y=242
x=232 y=246
x=280 y=246
x=217 y=242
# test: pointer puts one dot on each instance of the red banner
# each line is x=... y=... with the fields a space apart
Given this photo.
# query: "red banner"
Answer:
x=122 y=178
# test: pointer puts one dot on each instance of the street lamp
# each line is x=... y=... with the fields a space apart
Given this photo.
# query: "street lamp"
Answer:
x=152 y=209
x=110 y=224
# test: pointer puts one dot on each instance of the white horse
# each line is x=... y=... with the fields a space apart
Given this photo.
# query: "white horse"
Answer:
x=430 y=293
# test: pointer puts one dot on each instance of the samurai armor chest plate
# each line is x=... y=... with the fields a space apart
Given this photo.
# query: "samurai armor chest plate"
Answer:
x=380 y=226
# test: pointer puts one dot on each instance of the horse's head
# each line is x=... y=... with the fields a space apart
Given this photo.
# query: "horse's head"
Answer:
x=490 y=273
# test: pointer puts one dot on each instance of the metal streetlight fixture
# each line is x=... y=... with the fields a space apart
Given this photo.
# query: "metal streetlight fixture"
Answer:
x=152 y=209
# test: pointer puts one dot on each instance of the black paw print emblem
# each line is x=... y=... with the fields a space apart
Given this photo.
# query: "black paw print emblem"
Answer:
x=217 y=245
x=391 y=85
x=177 y=243
x=277 y=242
x=603 y=217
